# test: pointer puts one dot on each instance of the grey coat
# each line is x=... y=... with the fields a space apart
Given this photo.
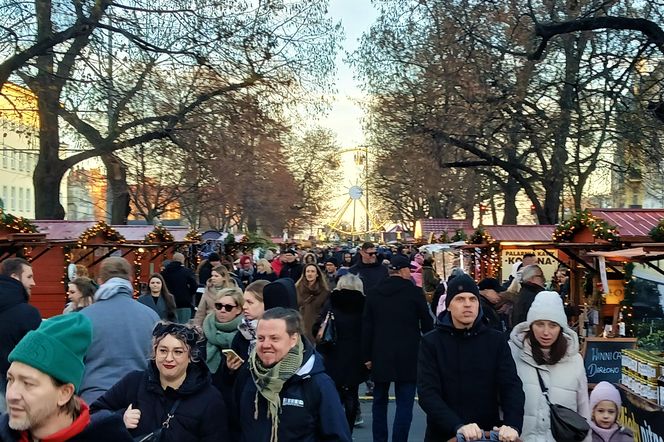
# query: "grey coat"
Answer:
x=160 y=307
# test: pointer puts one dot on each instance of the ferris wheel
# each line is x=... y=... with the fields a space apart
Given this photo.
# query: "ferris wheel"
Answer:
x=355 y=217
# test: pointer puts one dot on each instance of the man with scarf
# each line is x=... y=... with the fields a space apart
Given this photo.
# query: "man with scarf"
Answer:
x=121 y=330
x=288 y=396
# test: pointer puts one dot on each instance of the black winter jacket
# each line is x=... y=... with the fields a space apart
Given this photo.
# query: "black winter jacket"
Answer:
x=370 y=274
x=395 y=317
x=309 y=413
x=465 y=376
x=343 y=361
x=200 y=416
x=292 y=270
x=523 y=302
x=103 y=427
x=17 y=317
x=181 y=282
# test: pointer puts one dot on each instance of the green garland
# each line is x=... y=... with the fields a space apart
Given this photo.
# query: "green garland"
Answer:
x=480 y=236
x=159 y=234
x=108 y=232
x=444 y=238
x=657 y=232
x=193 y=235
x=16 y=223
x=600 y=229
x=459 y=235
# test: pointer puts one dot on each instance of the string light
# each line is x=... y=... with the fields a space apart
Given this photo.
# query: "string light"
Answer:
x=159 y=234
x=487 y=257
x=193 y=235
x=16 y=223
x=108 y=233
x=600 y=229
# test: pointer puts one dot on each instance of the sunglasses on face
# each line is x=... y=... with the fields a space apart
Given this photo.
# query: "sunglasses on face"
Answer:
x=371 y=253
x=228 y=307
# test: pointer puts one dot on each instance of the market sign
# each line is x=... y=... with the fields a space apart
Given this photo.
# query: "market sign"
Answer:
x=602 y=358
x=508 y=257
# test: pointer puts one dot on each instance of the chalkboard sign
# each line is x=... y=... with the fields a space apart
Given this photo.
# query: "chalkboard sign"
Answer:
x=602 y=358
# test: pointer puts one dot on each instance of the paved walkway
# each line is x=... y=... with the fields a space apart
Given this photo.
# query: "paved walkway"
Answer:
x=363 y=433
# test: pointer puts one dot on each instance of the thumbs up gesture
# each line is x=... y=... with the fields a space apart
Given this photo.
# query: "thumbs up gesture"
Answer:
x=131 y=417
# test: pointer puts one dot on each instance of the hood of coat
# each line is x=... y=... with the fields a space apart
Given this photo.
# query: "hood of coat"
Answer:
x=518 y=338
x=444 y=323
x=13 y=292
x=198 y=377
x=172 y=266
x=312 y=361
x=347 y=301
x=393 y=286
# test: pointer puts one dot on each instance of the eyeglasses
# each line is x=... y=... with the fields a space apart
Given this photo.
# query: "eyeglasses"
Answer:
x=228 y=307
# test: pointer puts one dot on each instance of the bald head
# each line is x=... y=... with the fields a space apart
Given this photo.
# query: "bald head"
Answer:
x=179 y=257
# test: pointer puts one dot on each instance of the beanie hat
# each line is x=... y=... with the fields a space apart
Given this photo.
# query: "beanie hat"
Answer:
x=490 y=283
x=57 y=347
x=547 y=306
x=460 y=284
x=214 y=256
x=605 y=391
x=244 y=259
x=280 y=293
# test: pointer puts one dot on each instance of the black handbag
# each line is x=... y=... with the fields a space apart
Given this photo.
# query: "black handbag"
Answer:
x=329 y=336
x=566 y=425
x=155 y=436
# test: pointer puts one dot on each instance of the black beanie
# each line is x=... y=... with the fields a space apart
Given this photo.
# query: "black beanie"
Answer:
x=460 y=284
x=280 y=293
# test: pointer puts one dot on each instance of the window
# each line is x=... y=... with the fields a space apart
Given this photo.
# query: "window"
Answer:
x=5 y=196
x=28 y=200
x=5 y=157
x=12 y=199
x=12 y=160
x=20 y=199
x=21 y=161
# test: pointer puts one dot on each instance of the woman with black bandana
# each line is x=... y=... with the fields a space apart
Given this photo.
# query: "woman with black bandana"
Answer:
x=174 y=395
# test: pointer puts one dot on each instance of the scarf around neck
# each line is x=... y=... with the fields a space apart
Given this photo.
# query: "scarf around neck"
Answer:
x=219 y=336
x=604 y=433
x=270 y=380
x=112 y=287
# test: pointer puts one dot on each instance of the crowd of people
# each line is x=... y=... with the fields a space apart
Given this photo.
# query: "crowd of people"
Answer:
x=276 y=350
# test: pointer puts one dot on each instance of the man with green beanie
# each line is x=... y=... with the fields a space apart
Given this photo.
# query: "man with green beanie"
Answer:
x=43 y=378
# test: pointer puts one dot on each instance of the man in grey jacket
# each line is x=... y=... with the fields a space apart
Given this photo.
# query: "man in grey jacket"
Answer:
x=121 y=330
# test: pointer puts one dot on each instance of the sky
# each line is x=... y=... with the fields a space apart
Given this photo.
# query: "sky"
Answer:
x=345 y=118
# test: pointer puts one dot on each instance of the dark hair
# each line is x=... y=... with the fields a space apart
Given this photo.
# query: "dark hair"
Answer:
x=528 y=255
x=368 y=245
x=164 y=293
x=292 y=317
x=87 y=288
x=558 y=348
x=320 y=285
x=14 y=266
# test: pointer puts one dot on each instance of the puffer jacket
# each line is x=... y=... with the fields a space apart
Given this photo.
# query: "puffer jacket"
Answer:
x=620 y=434
x=566 y=381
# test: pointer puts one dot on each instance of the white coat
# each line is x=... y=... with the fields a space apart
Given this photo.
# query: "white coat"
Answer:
x=566 y=381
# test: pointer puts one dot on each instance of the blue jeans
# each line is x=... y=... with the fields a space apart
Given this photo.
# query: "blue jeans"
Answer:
x=405 y=397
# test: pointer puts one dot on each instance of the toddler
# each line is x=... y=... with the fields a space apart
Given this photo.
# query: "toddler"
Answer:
x=605 y=405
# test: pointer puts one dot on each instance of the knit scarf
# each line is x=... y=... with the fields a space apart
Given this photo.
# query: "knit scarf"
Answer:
x=219 y=336
x=604 y=433
x=270 y=380
x=248 y=330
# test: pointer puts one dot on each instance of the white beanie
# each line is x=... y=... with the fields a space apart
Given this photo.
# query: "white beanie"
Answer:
x=547 y=306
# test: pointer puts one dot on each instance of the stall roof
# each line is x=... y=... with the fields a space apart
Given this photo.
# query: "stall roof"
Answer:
x=137 y=233
x=425 y=227
x=631 y=223
x=634 y=253
x=515 y=233
x=59 y=230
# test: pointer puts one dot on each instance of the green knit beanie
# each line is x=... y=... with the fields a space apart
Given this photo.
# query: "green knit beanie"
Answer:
x=57 y=347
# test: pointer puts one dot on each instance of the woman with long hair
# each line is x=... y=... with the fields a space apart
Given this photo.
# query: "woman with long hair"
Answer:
x=81 y=293
x=546 y=352
x=312 y=292
x=220 y=278
x=159 y=298
x=221 y=326
x=173 y=394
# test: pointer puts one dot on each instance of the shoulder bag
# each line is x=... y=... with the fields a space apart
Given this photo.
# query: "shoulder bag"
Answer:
x=155 y=436
x=328 y=334
x=566 y=425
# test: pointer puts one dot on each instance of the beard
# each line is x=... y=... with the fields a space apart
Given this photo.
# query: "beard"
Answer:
x=32 y=418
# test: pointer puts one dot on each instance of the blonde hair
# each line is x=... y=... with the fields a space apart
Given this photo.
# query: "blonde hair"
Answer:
x=265 y=265
x=256 y=288
x=233 y=292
